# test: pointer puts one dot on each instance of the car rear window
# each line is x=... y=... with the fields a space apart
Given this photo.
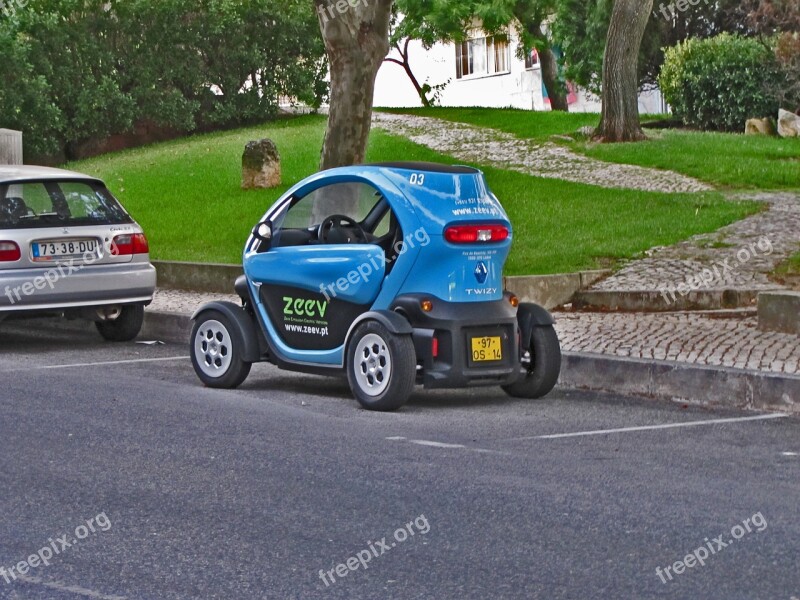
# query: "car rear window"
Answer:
x=58 y=204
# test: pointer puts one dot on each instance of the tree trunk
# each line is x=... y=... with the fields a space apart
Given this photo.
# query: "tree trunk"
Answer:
x=406 y=64
x=556 y=90
x=620 y=118
x=356 y=41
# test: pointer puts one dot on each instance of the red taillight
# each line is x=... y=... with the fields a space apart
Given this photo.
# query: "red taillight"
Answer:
x=435 y=347
x=9 y=252
x=125 y=245
x=475 y=234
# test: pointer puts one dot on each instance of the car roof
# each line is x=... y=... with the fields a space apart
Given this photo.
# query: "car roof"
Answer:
x=11 y=173
x=428 y=167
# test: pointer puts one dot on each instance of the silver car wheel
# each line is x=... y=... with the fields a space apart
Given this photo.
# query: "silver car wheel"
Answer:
x=212 y=347
x=373 y=365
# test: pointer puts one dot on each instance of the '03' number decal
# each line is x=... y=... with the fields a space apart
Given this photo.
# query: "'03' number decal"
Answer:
x=417 y=178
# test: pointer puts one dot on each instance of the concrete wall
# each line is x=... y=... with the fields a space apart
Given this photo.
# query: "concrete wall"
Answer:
x=10 y=147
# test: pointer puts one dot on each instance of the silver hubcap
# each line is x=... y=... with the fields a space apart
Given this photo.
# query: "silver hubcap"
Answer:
x=373 y=364
x=212 y=348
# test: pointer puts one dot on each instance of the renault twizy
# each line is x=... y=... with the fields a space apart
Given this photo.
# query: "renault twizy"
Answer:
x=391 y=274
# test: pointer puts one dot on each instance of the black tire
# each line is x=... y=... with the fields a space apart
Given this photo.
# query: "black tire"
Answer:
x=216 y=351
x=386 y=359
x=544 y=368
x=125 y=327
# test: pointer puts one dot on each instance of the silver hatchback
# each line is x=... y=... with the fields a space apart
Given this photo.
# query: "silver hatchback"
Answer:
x=68 y=247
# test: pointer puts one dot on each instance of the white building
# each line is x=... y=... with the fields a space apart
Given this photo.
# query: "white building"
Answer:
x=483 y=71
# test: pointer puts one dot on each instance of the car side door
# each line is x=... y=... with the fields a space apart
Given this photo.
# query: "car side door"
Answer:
x=312 y=291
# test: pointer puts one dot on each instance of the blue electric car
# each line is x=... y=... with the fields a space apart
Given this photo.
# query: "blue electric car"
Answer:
x=391 y=274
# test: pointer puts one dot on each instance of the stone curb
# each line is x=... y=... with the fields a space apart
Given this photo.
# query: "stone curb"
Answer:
x=548 y=290
x=681 y=382
x=197 y=277
x=779 y=311
x=552 y=290
x=650 y=301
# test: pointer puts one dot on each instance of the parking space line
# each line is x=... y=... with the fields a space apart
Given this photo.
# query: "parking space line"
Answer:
x=651 y=427
x=62 y=587
x=436 y=444
x=106 y=363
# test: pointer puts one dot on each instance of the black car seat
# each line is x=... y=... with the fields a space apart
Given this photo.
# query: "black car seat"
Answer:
x=390 y=241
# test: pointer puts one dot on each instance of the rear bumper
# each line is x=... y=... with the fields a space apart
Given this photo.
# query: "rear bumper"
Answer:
x=52 y=289
x=453 y=325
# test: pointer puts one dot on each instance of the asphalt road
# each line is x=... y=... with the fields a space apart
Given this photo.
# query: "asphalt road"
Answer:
x=198 y=493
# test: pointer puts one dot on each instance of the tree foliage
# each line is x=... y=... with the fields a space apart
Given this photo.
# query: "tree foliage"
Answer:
x=432 y=21
x=78 y=70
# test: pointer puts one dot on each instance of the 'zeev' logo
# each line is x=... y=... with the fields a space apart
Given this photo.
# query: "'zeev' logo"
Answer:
x=304 y=308
x=481 y=272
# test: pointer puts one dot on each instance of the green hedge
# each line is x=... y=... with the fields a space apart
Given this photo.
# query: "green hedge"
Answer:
x=79 y=70
x=718 y=83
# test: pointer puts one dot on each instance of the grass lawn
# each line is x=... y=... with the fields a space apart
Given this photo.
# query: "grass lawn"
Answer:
x=186 y=194
x=722 y=159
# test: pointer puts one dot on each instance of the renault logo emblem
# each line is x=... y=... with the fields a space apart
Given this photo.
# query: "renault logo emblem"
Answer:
x=481 y=272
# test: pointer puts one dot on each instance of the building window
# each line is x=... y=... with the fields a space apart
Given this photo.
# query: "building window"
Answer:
x=532 y=59
x=482 y=56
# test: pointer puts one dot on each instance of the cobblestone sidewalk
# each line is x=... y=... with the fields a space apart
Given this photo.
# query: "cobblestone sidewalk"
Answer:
x=505 y=151
x=685 y=337
x=736 y=257
x=698 y=338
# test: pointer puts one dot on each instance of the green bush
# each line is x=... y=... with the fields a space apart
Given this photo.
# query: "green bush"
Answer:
x=75 y=71
x=718 y=83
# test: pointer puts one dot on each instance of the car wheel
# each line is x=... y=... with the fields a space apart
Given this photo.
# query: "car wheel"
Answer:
x=542 y=365
x=381 y=367
x=125 y=327
x=216 y=352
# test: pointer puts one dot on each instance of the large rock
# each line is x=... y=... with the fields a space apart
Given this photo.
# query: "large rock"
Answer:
x=788 y=124
x=759 y=127
x=261 y=165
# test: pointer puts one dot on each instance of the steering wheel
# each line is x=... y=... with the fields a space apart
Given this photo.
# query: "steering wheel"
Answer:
x=341 y=229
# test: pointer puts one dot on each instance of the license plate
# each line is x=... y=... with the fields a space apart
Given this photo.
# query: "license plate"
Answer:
x=63 y=249
x=485 y=349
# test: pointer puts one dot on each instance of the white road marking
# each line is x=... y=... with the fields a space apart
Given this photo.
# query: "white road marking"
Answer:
x=436 y=444
x=63 y=587
x=789 y=453
x=653 y=427
x=395 y=438
x=107 y=363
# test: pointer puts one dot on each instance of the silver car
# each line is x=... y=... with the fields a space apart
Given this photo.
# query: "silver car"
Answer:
x=67 y=247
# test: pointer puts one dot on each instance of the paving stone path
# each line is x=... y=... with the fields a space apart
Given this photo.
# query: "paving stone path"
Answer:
x=736 y=257
x=698 y=338
x=505 y=151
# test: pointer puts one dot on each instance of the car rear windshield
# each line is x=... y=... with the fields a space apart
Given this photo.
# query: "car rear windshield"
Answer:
x=58 y=204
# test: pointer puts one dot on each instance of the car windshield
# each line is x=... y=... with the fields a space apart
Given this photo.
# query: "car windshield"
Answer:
x=58 y=204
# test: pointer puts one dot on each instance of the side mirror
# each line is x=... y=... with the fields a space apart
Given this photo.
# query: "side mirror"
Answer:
x=263 y=232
